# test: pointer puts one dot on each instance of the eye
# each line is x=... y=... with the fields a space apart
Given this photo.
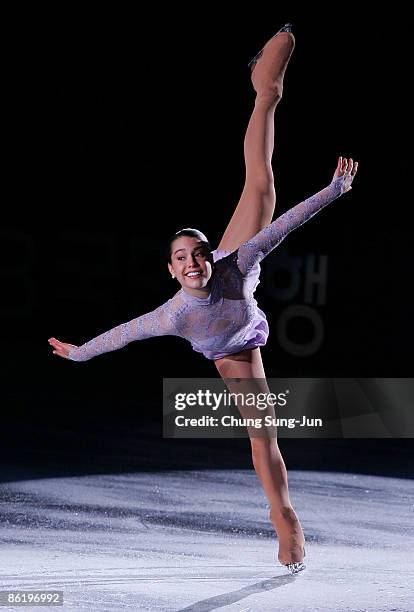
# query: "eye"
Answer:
x=180 y=257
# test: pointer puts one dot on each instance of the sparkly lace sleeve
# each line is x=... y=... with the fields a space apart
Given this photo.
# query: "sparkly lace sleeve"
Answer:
x=156 y=323
x=255 y=249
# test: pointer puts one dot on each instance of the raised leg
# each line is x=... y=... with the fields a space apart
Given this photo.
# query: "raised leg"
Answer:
x=244 y=373
x=258 y=199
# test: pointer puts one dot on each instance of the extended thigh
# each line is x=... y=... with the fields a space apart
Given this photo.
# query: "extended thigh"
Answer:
x=254 y=211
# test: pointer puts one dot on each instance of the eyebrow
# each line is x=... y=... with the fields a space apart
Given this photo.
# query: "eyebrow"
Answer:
x=195 y=249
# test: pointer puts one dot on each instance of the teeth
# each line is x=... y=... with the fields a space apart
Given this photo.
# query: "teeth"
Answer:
x=193 y=274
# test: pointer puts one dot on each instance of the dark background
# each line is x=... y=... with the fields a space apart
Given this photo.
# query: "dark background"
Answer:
x=124 y=126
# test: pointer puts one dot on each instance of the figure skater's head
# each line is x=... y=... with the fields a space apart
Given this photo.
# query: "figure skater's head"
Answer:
x=190 y=260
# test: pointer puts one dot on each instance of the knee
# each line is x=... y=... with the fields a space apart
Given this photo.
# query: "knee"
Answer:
x=262 y=447
x=264 y=182
x=270 y=95
x=259 y=173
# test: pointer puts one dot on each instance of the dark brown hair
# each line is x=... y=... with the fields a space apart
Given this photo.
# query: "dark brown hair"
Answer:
x=192 y=233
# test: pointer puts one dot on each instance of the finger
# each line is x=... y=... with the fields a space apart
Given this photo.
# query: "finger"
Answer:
x=344 y=164
x=350 y=165
x=355 y=169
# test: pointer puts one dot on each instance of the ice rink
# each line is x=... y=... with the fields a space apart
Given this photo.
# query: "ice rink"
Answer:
x=200 y=540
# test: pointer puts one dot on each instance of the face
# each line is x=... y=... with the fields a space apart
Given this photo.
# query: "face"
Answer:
x=191 y=264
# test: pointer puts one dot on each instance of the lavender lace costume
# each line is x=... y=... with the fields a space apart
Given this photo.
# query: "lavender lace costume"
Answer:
x=229 y=319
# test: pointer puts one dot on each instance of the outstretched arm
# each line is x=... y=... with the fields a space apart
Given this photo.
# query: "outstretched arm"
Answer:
x=155 y=323
x=255 y=249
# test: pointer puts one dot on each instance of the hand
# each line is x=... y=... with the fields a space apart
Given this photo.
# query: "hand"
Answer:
x=347 y=169
x=61 y=348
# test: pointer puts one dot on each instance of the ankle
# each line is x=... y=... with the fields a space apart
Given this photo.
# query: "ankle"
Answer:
x=285 y=513
x=293 y=554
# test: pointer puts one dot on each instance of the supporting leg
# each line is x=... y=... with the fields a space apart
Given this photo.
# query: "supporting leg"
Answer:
x=244 y=373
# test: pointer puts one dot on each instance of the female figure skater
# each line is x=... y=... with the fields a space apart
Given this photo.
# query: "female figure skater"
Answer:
x=215 y=308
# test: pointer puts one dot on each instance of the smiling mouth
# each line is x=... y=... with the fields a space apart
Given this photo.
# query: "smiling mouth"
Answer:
x=193 y=274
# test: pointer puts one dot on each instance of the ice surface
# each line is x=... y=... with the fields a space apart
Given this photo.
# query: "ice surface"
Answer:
x=201 y=540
